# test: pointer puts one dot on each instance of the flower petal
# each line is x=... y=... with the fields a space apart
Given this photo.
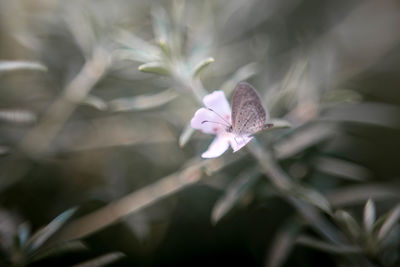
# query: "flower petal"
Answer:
x=217 y=101
x=239 y=141
x=218 y=146
x=202 y=115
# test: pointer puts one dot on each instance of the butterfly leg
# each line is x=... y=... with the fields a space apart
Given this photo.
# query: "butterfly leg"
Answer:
x=236 y=140
x=243 y=139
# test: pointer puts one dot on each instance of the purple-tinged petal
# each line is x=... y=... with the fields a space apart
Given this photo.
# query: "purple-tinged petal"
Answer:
x=216 y=119
x=218 y=102
x=218 y=146
x=202 y=115
x=239 y=141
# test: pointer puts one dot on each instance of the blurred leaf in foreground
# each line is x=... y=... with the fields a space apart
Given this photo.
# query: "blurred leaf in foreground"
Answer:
x=41 y=236
x=142 y=102
x=202 y=65
x=389 y=223
x=186 y=135
x=369 y=216
x=17 y=116
x=95 y=102
x=235 y=191
x=349 y=223
x=154 y=67
x=283 y=243
x=327 y=247
x=21 y=65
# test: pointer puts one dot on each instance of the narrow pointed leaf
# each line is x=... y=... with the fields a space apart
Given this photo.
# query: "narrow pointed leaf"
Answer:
x=161 y=24
x=389 y=223
x=302 y=139
x=178 y=11
x=95 y=102
x=18 y=116
x=21 y=65
x=46 y=232
x=135 y=48
x=327 y=247
x=348 y=222
x=358 y=194
x=342 y=169
x=186 y=135
x=24 y=230
x=283 y=244
x=142 y=102
x=58 y=249
x=369 y=216
x=233 y=194
x=241 y=74
x=103 y=260
x=313 y=197
x=164 y=47
x=279 y=124
x=202 y=65
x=154 y=67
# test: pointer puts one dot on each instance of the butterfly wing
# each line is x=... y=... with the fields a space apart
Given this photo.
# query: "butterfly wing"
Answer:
x=248 y=113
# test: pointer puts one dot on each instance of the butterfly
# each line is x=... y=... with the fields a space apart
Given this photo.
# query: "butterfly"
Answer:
x=247 y=112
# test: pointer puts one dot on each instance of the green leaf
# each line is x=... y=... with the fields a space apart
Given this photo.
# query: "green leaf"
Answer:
x=143 y=102
x=369 y=216
x=136 y=48
x=164 y=47
x=177 y=12
x=241 y=74
x=283 y=243
x=103 y=260
x=186 y=135
x=350 y=224
x=342 y=95
x=327 y=247
x=24 y=231
x=41 y=236
x=369 y=113
x=202 y=65
x=278 y=124
x=21 y=65
x=313 y=197
x=154 y=67
x=161 y=25
x=18 y=116
x=389 y=223
x=234 y=193
x=95 y=102
x=302 y=138
x=341 y=168
x=358 y=194
x=58 y=250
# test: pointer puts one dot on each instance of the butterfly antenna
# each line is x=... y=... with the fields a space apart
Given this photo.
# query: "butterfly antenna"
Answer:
x=215 y=122
x=219 y=116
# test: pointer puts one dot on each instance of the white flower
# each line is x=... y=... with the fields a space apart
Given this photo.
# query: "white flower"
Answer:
x=216 y=119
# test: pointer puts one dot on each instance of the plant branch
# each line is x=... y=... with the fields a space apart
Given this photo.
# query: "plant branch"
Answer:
x=39 y=138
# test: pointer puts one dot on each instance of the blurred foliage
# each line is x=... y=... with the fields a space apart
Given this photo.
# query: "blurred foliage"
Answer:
x=99 y=165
